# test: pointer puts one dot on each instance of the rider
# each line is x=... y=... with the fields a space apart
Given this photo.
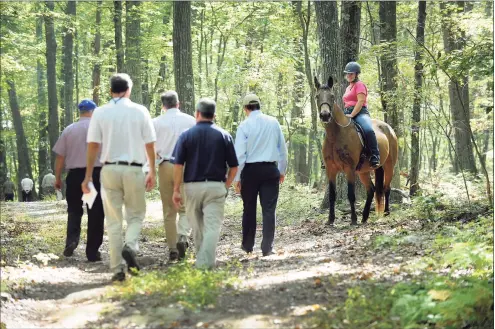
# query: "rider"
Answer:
x=356 y=107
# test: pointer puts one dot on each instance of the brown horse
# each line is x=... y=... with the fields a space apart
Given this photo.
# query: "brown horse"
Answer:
x=342 y=149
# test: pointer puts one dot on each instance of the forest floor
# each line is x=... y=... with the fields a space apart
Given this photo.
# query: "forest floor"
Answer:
x=394 y=271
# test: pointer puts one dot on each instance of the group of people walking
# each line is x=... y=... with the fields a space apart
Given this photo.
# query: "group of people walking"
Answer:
x=27 y=185
x=197 y=162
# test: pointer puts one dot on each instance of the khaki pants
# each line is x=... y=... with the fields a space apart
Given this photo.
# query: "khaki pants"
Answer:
x=205 y=202
x=122 y=185
x=172 y=226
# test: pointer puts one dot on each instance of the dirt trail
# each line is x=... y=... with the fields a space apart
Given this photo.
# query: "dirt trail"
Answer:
x=313 y=267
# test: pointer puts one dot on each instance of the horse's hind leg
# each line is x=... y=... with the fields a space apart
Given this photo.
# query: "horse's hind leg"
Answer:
x=388 y=168
x=351 y=180
x=370 y=191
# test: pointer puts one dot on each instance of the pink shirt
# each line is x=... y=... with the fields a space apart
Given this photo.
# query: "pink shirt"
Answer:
x=351 y=92
x=72 y=144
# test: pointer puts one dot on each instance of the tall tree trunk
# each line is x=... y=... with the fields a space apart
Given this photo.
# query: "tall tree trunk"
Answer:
x=146 y=86
x=96 y=53
x=119 y=48
x=350 y=30
x=416 y=115
x=67 y=50
x=41 y=109
x=388 y=58
x=51 y=73
x=458 y=90
x=22 y=148
x=183 y=68
x=389 y=73
x=327 y=22
x=133 y=48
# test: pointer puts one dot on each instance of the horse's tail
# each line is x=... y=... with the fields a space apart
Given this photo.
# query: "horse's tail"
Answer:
x=379 y=189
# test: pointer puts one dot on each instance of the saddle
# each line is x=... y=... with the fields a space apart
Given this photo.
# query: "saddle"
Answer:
x=365 y=151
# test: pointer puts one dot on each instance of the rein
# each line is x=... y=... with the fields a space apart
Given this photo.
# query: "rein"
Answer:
x=331 y=117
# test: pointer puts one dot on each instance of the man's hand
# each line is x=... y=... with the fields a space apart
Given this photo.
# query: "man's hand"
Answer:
x=349 y=116
x=177 y=199
x=84 y=185
x=150 y=181
x=282 y=178
x=58 y=183
x=238 y=187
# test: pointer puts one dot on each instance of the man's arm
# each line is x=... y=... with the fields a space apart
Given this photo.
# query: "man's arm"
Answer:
x=230 y=176
x=240 y=150
x=282 y=151
x=92 y=153
x=178 y=178
x=59 y=165
x=150 y=178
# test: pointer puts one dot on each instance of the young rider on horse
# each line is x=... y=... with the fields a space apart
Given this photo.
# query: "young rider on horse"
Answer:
x=356 y=107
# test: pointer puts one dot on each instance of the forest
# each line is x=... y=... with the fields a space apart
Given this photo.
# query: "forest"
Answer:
x=428 y=66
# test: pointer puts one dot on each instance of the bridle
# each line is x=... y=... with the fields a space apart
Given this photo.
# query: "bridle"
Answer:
x=331 y=116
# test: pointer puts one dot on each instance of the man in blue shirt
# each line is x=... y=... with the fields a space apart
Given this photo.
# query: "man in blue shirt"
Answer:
x=206 y=150
x=259 y=146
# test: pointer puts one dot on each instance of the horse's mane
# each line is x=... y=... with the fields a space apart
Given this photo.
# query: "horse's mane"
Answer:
x=325 y=87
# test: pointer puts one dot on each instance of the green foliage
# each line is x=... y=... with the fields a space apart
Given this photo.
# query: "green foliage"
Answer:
x=182 y=283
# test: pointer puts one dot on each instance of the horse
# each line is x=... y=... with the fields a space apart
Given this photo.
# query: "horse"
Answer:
x=342 y=149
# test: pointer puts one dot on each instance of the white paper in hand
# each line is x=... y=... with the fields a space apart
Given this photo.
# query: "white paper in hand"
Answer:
x=89 y=198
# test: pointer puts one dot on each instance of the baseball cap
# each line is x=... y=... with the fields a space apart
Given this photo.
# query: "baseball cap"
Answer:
x=250 y=99
x=86 y=105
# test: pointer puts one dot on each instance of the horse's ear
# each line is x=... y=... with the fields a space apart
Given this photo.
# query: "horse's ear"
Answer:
x=330 y=82
x=317 y=83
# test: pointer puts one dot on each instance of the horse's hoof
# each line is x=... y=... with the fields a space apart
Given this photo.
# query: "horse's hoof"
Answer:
x=364 y=222
x=386 y=213
x=354 y=223
x=330 y=224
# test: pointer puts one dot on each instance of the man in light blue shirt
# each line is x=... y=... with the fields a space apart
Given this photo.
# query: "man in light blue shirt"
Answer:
x=262 y=156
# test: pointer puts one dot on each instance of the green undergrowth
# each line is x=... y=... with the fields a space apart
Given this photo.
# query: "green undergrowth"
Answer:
x=296 y=203
x=182 y=283
x=24 y=237
x=452 y=280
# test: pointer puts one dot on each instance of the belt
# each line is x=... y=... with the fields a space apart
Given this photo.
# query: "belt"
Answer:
x=163 y=161
x=261 y=162
x=124 y=163
x=206 y=180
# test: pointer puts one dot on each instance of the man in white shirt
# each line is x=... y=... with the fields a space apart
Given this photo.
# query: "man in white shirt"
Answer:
x=262 y=156
x=125 y=132
x=27 y=188
x=168 y=127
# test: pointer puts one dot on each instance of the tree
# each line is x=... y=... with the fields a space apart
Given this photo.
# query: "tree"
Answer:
x=454 y=42
x=22 y=148
x=51 y=73
x=388 y=59
x=183 y=67
x=119 y=49
x=41 y=108
x=67 y=50
x=416 y=115
x=350 y=30
x=96 y=52
x=133 y=48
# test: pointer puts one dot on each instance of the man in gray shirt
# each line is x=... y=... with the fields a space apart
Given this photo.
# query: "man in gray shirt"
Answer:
x=71 y=152
x=9 y=189
x=48 y=184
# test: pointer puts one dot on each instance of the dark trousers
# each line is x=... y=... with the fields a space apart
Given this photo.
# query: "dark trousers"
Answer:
x=261 y=178
x=364 y=120
x=9 y=196
x=27 y=196
x=75 y=211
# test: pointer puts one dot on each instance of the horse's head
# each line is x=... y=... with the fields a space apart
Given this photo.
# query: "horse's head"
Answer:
x=325 y=99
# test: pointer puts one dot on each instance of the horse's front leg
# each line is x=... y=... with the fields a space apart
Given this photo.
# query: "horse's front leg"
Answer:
x=351 y=180
x=331 y=196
